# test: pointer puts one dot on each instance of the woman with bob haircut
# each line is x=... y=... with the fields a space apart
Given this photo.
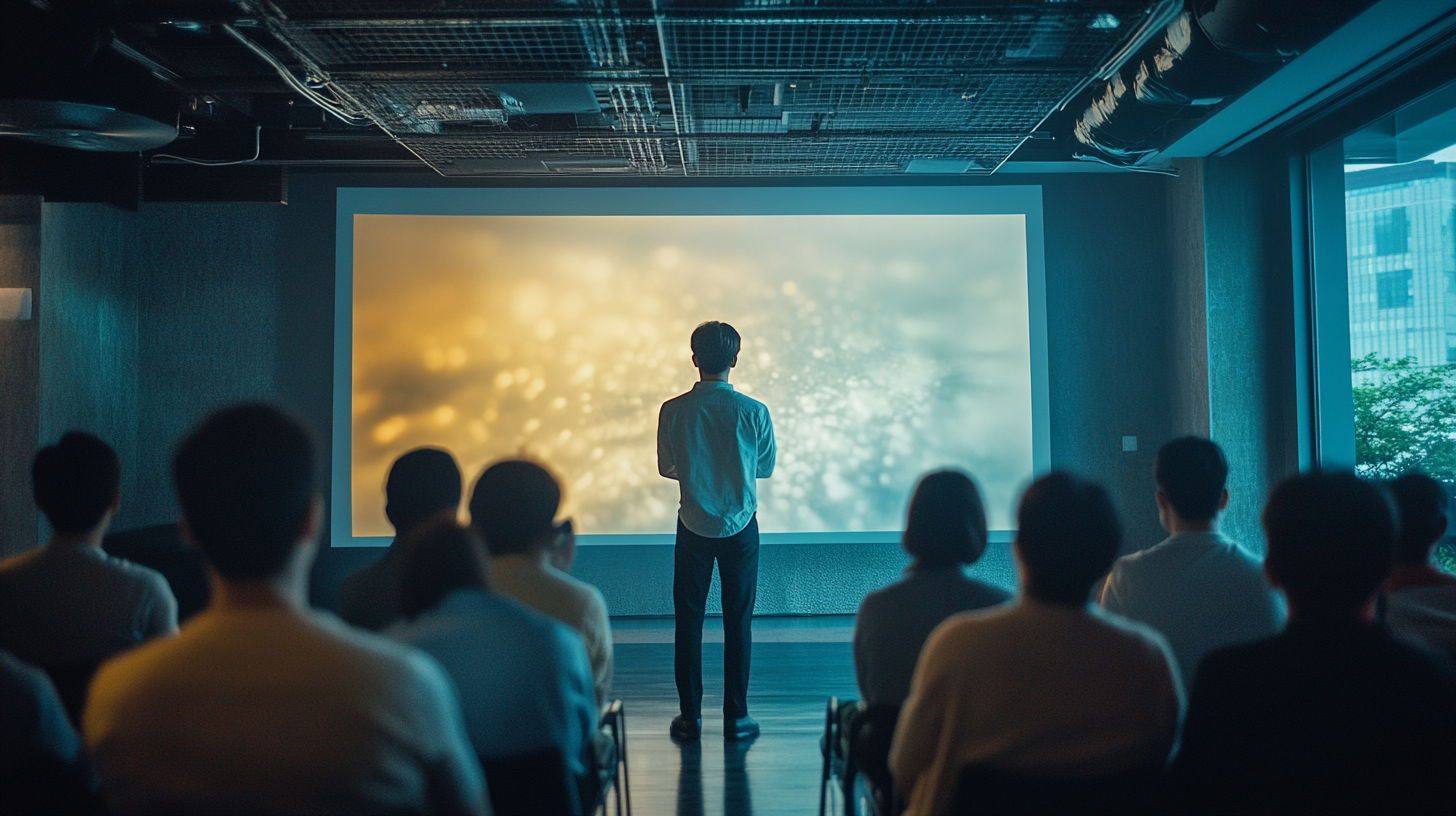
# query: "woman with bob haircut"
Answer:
x=944 y=530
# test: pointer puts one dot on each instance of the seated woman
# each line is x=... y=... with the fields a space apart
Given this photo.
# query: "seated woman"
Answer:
x=523 y=679
x=945 y=529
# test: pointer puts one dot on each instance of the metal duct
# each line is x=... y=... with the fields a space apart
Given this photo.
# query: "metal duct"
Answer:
x=1210 y=54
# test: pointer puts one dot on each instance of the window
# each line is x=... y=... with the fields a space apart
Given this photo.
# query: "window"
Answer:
x=1400 y=265
x=1392 y=232
x=1393 y=289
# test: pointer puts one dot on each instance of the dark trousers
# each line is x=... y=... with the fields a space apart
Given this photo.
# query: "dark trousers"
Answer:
x=693 y=557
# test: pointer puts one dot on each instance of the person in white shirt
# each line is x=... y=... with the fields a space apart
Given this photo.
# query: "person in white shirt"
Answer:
x=1199 y=589
x=260 y=705
x=69 y=603
x=1420 y=599
x=1049 y=687
x=715 y=442
x=513 y=509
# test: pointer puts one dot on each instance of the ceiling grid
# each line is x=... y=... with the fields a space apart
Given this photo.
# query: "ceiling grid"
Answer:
x=709 y=87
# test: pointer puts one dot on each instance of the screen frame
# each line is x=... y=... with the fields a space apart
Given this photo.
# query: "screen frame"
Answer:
x=1023 y=200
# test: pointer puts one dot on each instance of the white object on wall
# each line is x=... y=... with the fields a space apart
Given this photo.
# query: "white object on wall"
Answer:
x=15 y=304
x=1129 y=443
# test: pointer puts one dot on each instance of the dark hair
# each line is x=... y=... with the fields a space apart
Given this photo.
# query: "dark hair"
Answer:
x=436 y=558
x=513 y=505
x=715 y=345
x=421 y=483
x=1421 y=501
x=246 y=480
x=1331 y=540
x=1191 y=471
x=75 y=481
x=946 y=524
x=1067 y=537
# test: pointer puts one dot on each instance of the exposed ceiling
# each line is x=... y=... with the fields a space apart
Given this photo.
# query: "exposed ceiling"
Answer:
x=572 y=87
x=697 y=87
x=650 y=88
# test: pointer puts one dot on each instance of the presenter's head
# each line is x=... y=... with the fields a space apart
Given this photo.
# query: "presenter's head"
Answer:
x=715 y=349
x=513 y=508
x=1067 y=536
x=421 y=484
x=245 y=478
x=946 y=524
x=1331 y=543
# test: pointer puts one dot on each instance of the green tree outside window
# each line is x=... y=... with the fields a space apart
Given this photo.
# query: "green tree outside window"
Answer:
x=1405 y=420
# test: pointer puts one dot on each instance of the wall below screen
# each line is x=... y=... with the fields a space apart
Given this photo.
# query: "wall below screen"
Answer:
x=150 y=319
x=793 y=579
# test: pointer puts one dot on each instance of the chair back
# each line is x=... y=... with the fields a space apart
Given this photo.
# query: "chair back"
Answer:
x=531 y=784
x=72 y=681
x=988 y=792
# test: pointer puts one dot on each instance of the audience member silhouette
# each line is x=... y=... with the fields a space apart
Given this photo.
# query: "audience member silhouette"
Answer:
x=944 y=530
x=513 y=509
x=42 y=769
x=1051 y=686
x=68 y=605
x=524 y=681
x=1420 y=600
x=1200 y=590
x=421 y=483
x=260 y=705
x=1333 y=715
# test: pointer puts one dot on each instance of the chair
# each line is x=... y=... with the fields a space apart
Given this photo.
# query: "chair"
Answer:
x=856 y=748
x=614 y=776
x=988 y=792
x=531 y=784
x=72 y=681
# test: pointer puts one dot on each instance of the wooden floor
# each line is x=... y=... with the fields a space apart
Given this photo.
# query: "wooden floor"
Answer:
x=778 y=773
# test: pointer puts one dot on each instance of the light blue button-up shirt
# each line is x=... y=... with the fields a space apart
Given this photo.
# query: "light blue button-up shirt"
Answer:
x=715 y=441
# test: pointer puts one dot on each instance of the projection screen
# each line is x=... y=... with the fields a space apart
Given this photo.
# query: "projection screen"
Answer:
x=890 y=331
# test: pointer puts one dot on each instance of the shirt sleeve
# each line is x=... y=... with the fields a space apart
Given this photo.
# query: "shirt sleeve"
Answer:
x=766 y=451
x=1111 y=599
x=665 y=464
x=161 y=611
x=599 y=649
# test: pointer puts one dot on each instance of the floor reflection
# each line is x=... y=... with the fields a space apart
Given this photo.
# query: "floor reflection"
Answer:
x=737 y=797
x=774 y=775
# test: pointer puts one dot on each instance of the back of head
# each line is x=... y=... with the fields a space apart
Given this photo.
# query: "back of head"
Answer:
x=1067 y=536
x=1191 y=472
x=715 y=345
x=513 y=506
x=245 y=477
x=421 y=483
x=1421 y=501
x=1331 y=540
x=946 y=524
x=436 y=558
x=75 y=481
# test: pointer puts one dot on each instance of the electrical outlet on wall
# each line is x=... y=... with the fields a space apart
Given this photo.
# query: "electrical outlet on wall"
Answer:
x=1129 y=443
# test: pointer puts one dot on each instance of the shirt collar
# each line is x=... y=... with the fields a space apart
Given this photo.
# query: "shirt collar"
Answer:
x=704 y=385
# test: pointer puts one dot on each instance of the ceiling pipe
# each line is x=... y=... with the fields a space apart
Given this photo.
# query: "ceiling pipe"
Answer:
x=1211 y=53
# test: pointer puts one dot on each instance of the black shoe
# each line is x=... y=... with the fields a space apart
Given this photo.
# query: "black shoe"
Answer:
x=740 y=729
x=684 y=729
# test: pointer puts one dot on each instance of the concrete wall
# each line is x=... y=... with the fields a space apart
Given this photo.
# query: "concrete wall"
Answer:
x=19 y=374
x=150 y=320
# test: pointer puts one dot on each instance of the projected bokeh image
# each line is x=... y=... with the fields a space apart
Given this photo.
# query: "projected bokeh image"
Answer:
x=883 y=345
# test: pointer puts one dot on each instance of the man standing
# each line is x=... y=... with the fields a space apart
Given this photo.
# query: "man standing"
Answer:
x=715 y=442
